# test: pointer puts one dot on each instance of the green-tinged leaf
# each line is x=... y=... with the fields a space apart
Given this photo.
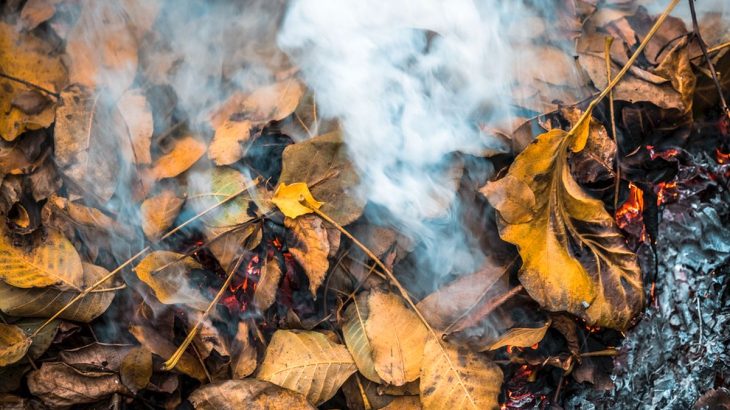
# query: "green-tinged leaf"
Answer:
x=356 y=339
x=13 y=344
x=306 y=362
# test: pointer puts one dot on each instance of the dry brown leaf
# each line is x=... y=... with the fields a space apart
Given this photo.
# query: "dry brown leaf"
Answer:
x=166 y=274
x=455 y=378
x=226 y=146
x=53 y=261
x=520 y=337
x=27 y=57
x=246 y=394
x=60 y=385
x=42 y=341
x=265 y=293
x=307 y=362
x=228 y=247
x=404 y=403
x=456 y=299
x=158 y=213
x=397 y=337
x=311 y=248
x=36 y=12
x=574 y=257
x=136 y=369
x=243 y=353
x=44 y=302
x=323 y=164
x=96 y=356
x=13 y=344
x=208 y=338
x=185 y=152
x=87 y=135
x=161 y=346
x=90 y=217
x=271 y=103
x=137 y=115
x=356 y=338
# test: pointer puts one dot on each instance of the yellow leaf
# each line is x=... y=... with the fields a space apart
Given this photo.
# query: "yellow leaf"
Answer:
x=295 y=200
x=166 y=273
x=54 y=261
x=397 y=337
x=44 y=302
x=185 y=152
x=311 y=248
x=225 y=149
x=27 y=57
x=574 y=257
x=521 y=337
x=455 y=378
x=13 y=344
x=306 y=362
x=158 y=213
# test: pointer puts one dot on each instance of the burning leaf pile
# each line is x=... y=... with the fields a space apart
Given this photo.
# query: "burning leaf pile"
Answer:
x=323 y=204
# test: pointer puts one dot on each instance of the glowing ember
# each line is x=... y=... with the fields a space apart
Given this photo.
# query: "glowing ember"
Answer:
x=666 y=192
x=670 y=153
x=722 y=157
x=630 y=212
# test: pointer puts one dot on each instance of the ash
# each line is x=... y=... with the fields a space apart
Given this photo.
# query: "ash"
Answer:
x=681 y=348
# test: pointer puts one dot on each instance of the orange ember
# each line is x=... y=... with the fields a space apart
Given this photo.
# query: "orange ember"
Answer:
x=670 y=153
x=722 y=157
x=631 y=210
x=666 y=192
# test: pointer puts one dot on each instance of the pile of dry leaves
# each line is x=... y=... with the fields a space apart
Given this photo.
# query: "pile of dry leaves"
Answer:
x=162 y=250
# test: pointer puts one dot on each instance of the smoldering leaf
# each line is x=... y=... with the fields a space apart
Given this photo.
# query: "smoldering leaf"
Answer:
x=265 y=293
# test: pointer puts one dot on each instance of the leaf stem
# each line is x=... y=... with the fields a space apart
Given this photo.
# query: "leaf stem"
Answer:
x=29 y=84
x=126 y=263
x=626 y=66
x=617 y=154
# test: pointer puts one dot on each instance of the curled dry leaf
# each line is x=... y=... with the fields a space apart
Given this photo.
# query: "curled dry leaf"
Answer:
x=311 y=248
x=455 y=378
x=166 y=274
x=247 y=394
x=13 y=344
x=44 y=302
x=356 y=338
x=574 y=257
x=158 y=213
x=271 y=103
x=226 y=148
x=53 y=261
x=28 y=57
x=397 y=337
x=137 y=116
x=322 y=164
x=161 y=346
x=60 y=385
x=87 y=135
x=521 y=337
x=307 y=362
x=265 y=293
x=136 y=369
x=185 y=152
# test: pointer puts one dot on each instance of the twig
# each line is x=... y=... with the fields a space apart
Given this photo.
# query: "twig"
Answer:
x=718 y=47
x=703 y=47
x=626 y=66
x=172 y=361
x=29 y=84
x=126 y=263
x=611 y=108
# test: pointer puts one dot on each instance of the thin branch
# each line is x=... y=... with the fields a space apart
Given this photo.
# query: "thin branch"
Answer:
x=617 y=181
x=29 y=84
x=703 y=47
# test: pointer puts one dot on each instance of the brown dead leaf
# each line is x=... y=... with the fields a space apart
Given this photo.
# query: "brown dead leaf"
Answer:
x=96 y=356
x=158 y=213
x=520 y=337
x=60 y=385
x=44 y=302
x=243 y=353
x=13 y=344
x=185 y=152
x=311 y=248
x=271 y=103
x=136 y=369
x=356 y=338
x=574 y=257
x=397 y=337
x=455 y=378
x=86 y=216
x=322 y=163
x=137 y=115
x=307 y=362
x=565 y=324
x=88 y=131
x=29 y=58
x=43 y=340
x=265 y=293
x=226 y=146
x=246 y=394
x=165 y=273
x=36 y=12
x=161 y=346
x=52 y=261
x=404 y=403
